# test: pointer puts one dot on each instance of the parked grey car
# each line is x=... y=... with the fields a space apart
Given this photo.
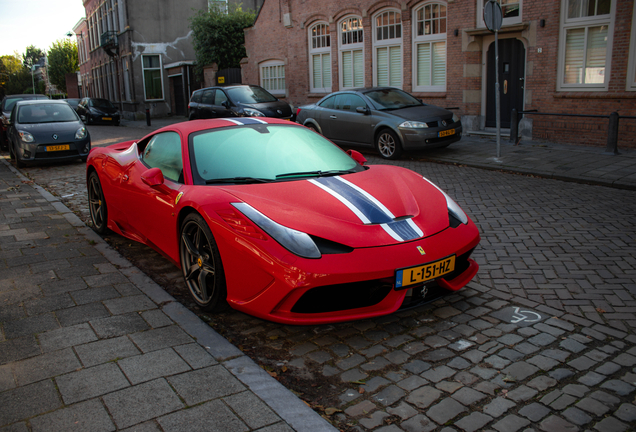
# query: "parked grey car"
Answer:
x=389 y=119
x=46 y=130
x=7 y=105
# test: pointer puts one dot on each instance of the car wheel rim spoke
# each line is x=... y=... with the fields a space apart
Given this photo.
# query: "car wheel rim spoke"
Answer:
x=203 y=286
x=192 y=250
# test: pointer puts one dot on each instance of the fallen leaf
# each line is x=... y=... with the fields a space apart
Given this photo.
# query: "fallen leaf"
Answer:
x=332 y=411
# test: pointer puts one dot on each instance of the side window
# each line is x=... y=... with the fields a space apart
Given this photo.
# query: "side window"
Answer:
x=219 y=97
x=164 y=152
x=208 y=97
x=328 y=103
x=355 y=102
x=196 y=97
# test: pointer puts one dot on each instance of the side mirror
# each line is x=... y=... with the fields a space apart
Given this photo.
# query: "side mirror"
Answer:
x=362 y=110
x=357 y=156
x=153 y=177
x=226 y=104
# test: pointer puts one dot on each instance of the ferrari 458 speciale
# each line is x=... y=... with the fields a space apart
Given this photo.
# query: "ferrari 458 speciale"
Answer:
x=280 y=222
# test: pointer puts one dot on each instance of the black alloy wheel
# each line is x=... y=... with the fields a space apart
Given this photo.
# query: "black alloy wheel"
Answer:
x=201 y=264
x=18 y=162
x=97 y=204
x=388 y=144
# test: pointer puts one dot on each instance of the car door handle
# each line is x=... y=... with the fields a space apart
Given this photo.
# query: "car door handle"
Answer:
x=333 y=117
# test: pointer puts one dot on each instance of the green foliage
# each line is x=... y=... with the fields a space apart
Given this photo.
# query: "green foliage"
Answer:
x=32 y=56
x=14 y=77
x=62 y=60
x=218 y=37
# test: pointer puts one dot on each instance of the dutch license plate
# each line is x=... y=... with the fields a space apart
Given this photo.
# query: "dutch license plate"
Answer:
x=447 y=133
x=424 y=272
x=57 y=148
x=107 y=118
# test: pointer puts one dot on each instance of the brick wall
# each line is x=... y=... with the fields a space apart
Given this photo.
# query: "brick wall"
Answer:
x=270 y=39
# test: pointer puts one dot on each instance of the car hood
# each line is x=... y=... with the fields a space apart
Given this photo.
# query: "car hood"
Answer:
x=105 y=110
x=43 y=132
x=270 y=109
x=335 y=208
x=421 y=113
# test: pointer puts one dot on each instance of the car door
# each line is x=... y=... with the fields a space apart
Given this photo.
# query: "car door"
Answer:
x=323 y=114
x=206 y=107
x=220 y=97
x=152 y=206
x=347 y=124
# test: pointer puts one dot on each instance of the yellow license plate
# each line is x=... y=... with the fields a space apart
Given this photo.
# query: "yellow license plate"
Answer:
x=423 y=273
x=58 y=148
x=447 y=133
x=107 y=118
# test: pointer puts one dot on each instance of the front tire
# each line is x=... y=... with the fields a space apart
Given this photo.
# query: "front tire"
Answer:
x=313 y=127
x=388 y=144
x=201 y=264
x=97 y=204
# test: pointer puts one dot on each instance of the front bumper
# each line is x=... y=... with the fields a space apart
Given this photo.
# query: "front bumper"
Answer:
x=339 y=287
x=34 y=152
x=423 y=138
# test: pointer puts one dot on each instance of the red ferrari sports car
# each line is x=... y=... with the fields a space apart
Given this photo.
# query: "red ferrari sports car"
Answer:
x=281 y=222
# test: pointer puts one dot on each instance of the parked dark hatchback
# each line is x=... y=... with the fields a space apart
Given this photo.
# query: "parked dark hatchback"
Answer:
x=237 y=101
x=389 y=119
x=7 y=105
x=93 y=110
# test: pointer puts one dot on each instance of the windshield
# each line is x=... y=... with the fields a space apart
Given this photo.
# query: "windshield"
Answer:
x=392 y=98
x=101 y=103
x=250 y=95
x=46 y=113
x=258 y=153
x=10 y=102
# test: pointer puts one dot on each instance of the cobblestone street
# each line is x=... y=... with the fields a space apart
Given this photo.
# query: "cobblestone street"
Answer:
x=543 y=339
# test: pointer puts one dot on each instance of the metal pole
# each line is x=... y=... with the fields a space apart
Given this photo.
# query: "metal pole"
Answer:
x=497 y=103
x=612 y=135
x=32 y=80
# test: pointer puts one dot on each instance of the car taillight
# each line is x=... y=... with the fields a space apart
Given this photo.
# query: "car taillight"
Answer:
x=239 y=223
x=297 y=112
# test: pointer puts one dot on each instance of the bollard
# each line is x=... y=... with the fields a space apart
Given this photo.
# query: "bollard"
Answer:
x=612 y=135
x=147 y=117
x=514 y=126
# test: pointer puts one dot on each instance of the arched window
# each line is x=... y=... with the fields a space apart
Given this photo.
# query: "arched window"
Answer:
x=429 y=47
x=351 y=47
x=387 y=49
x=320 y=58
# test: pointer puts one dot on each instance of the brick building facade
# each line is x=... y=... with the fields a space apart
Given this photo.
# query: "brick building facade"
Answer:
x=555 y=56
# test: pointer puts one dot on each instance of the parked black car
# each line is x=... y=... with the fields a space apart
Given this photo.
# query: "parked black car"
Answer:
x=389 y=119
x=73 y=102
x=237 y=101
x=7 y=105
x=94 y=110
x=46 y=130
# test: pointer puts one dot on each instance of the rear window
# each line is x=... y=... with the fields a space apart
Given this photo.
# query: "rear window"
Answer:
x=196 y=97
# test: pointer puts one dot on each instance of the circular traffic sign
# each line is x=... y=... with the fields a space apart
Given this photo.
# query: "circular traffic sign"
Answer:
x=493 y=17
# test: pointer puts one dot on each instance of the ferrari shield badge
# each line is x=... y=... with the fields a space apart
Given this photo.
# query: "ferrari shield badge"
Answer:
x=421 y=249
x=176 y=200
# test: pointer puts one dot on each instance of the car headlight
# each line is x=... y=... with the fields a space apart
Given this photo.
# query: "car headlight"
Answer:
x=294 y=241
x=455 y=118
x=251 y=112
x=81 y=133
x=452 y=206
x=26 y=137
x=413 y=124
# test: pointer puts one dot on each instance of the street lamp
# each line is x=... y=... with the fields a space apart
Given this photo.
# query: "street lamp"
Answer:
x=32 y=79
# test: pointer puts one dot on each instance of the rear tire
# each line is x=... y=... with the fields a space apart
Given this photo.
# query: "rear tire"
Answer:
x=201 y=264
x=97 y=204
x=192 y=116
x=313 y=127
x=388 y=144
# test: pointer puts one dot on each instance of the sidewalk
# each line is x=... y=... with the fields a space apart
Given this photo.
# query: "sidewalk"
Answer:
x=89 y=343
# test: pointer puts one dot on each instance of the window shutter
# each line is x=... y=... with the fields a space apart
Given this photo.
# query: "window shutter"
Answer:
x=423 y=64
x=347 y=70
x=596 y=55
x=439 y=64
x=358 y=69
x=574 y=52
x=316 y=69
x=326 y=71
x=395 y=68
x=383 y=66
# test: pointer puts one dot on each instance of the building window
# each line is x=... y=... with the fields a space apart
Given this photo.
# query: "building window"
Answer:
x=584 y=44
x=351 y=46
x=320 y=58
x=153 y=78
x=387 y=43
x=429 y=48
x=273 y=77
x=511 y=10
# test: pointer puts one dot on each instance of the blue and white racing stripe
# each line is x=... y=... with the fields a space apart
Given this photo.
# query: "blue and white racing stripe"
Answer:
x=245 y=121
x=368 y=209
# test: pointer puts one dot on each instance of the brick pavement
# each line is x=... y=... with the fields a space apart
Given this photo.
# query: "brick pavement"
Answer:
x=543 y=339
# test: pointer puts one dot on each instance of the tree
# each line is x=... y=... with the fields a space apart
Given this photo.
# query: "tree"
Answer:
x=14 y=77
x=218 y=37
x=62 y=60
x=32 y=56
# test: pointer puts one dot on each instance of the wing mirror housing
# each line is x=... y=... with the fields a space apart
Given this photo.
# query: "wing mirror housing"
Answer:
x=357 y=156
x=362 y=110
x=153 y=177
x=226 y=104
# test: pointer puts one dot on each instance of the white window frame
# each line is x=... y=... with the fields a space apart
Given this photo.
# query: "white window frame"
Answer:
x=630 y=84
x=143 y=74
x=584 y=23
x=506 y=21
x=388 y=44
x=273 y=66
x=351 y=48
x=434 y=38
x=324 y=53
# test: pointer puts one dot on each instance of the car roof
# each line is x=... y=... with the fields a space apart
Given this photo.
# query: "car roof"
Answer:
x=227 y=86
x=25 y=95
x=40 y=102
x=188 y=127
